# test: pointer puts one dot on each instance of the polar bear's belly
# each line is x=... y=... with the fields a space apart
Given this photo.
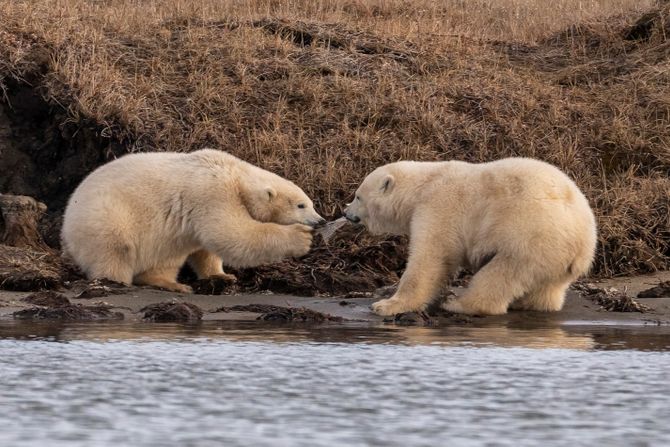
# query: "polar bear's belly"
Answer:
x=163 y=250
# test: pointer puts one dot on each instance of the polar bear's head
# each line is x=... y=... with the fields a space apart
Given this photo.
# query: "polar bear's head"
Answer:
x=280 y=201
x=379 y=203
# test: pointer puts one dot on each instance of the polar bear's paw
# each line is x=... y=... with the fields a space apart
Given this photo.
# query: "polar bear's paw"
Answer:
x=454 y=306
x=391 y=306
x=177 y=287
x=225 y=277
x=466 y=307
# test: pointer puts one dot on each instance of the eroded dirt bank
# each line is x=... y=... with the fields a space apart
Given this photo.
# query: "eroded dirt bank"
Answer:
x=322 y=94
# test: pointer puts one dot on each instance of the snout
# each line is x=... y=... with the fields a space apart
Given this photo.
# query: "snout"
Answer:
x=352 y=218
x=316 y=223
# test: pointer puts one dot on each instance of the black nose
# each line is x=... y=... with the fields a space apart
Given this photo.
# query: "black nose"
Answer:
x=354 y=219
x=321 y=221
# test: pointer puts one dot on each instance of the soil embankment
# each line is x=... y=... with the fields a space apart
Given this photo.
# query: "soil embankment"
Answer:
x=322 y=96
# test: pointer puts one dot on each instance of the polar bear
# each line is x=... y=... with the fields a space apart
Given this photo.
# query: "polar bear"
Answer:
x=139 y=218
x=521 y=224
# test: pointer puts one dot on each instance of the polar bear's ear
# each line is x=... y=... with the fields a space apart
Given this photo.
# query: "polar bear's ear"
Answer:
x=387 y=183
x=270 y=193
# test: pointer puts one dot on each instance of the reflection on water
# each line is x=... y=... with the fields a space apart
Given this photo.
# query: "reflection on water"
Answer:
x=241 y=384
x=654 y=338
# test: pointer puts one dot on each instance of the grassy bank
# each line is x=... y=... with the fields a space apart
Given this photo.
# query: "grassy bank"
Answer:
x=324 y=91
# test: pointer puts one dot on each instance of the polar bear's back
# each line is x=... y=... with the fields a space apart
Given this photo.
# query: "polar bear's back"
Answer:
x=133 y=203
x=532 y=208
x=128 y=183
x=522 y=182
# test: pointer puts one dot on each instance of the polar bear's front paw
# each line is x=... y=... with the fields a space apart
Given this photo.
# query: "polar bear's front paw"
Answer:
x=458 y=306
x=181 y=288
x=300 y=240
x=225 y=277
x=391 y=306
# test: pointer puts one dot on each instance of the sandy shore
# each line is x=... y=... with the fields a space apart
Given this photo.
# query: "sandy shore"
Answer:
x=577 y=310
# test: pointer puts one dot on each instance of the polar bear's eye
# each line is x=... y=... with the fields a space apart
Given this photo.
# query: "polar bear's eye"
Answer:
x=301 y=205
x=358 y=198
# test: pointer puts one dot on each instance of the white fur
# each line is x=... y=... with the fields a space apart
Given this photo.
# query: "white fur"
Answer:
x=138 y=218
x=522 y=224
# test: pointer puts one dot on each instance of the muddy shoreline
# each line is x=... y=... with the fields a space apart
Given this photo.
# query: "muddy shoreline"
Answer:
x=130 y=305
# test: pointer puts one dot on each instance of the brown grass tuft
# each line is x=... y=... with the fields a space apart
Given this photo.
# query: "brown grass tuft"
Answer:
x=25 y=269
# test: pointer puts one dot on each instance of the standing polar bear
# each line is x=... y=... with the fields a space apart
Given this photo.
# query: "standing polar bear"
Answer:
x=139 y=218
x=521 y=224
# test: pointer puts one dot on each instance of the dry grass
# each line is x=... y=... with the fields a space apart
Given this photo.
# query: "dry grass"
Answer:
x=25 y=269
x=324 y=91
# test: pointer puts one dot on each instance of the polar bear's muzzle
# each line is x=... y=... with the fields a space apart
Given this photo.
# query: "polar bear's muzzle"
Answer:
x=316 y=223
x=353 y=218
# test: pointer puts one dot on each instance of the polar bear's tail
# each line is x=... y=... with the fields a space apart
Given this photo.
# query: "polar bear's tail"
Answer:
x=581 y=265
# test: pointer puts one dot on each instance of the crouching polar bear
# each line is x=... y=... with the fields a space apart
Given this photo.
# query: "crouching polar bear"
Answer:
x=138 y=219
x=521 y=224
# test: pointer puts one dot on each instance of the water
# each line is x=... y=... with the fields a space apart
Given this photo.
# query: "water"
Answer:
x=238 y=384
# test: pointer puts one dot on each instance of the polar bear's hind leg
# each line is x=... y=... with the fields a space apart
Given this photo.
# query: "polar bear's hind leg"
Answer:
x=491 y=290
x=547 y=297
x=112 y=259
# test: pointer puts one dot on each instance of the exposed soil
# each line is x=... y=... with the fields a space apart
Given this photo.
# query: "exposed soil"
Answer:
x=44 y=153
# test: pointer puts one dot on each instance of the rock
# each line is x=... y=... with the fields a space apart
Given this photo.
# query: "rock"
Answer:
x=19 y=217
x=172 y=311
x=270 y=312
x=297 y=315
x=659 y=291
x=47 y=299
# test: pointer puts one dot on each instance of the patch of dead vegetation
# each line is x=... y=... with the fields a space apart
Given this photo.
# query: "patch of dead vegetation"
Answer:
x=72 y=312
x=352 y=261
x=612 y=299
x=25 y=269
x=270 y=312
x=49 y=305
x=96 y=288
x=26 y=261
